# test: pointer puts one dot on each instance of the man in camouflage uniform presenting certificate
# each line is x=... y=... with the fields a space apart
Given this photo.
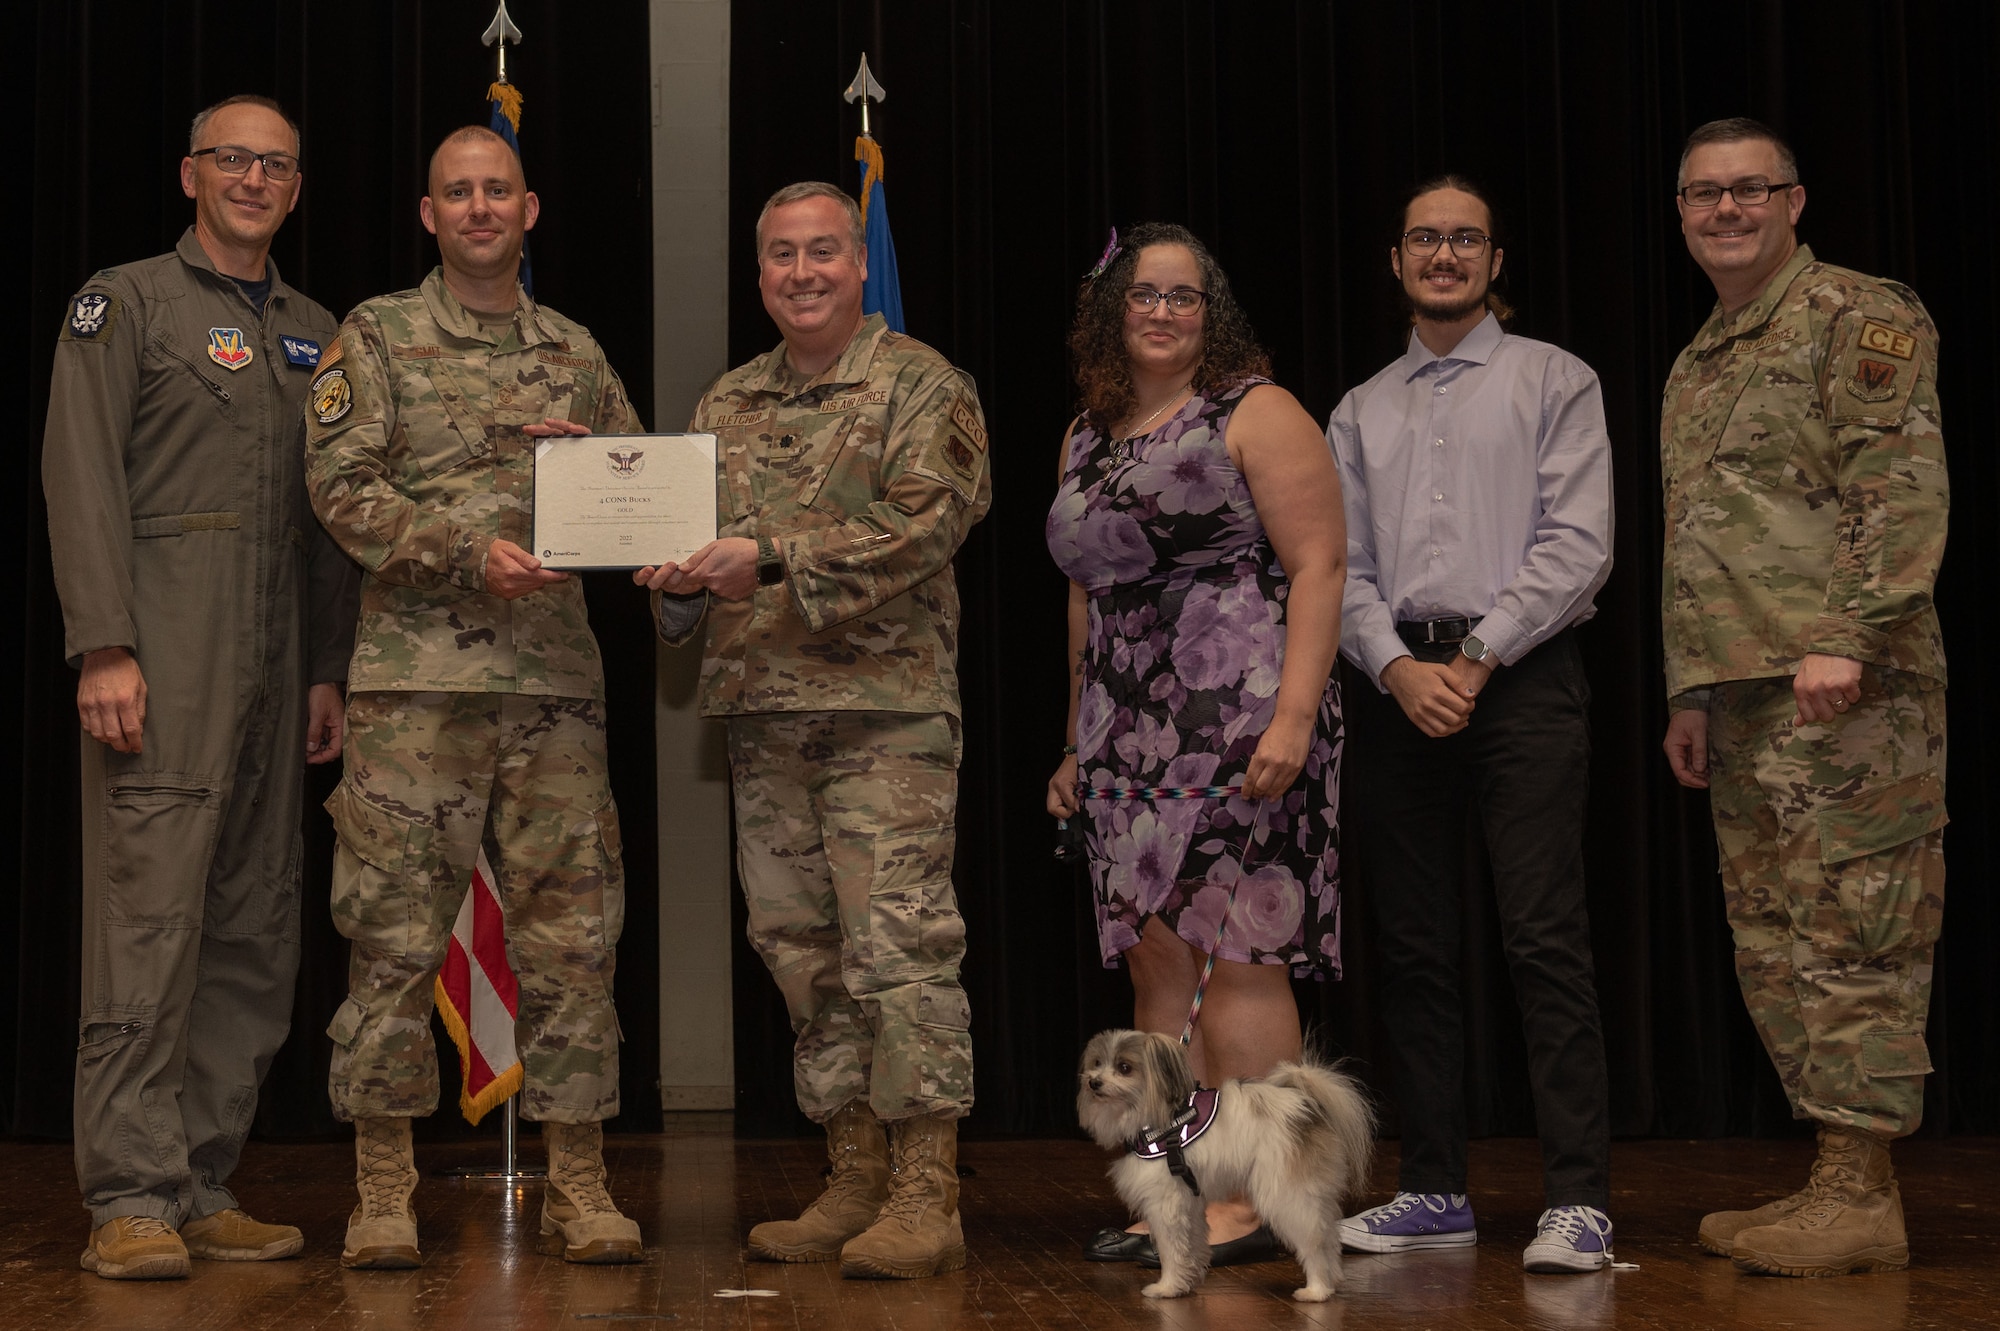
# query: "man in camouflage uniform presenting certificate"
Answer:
x=1805 y=510
x=852 y=462
x=476 y=716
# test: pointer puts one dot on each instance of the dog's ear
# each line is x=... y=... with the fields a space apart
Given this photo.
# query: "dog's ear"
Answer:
x=1169 y=1080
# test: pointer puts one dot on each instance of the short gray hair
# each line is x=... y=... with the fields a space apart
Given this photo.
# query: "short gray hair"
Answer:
x=201 y=118
x=1738 y=129
x=814 y=189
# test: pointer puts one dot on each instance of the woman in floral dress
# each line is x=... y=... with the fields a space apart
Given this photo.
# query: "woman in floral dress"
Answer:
x=1199 y=521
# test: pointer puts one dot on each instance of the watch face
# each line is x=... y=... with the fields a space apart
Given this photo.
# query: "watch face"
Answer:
x=1474 y=647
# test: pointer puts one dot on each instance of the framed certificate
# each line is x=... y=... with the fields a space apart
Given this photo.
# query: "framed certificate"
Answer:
x=623 y=500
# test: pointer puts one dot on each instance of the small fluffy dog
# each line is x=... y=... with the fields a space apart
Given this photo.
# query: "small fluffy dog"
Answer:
x=1296 y=1143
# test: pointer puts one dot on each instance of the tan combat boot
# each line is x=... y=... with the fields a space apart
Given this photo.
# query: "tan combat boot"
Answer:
x=1719 y=1228
x=136 y=1247
x=382 y=1232
x=580 y=1223
x=858 y=1150
x=232 y=1236
x=1853 y=1221
x=918 y=1232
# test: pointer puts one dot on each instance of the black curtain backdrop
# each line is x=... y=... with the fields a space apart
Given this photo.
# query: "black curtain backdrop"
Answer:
x=373 y=87
x=1287 y=136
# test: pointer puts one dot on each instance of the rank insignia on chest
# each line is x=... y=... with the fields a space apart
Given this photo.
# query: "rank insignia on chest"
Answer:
x=89 y=315
x=332 y=396
x=226 y=348
x=301 y=350
x=1872 y=380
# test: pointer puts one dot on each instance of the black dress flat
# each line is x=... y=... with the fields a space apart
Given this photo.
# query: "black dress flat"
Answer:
x=1115 y=1244
x=1259 y=1245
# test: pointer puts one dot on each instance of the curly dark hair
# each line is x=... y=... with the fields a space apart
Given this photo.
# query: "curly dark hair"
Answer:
x=1229 y=349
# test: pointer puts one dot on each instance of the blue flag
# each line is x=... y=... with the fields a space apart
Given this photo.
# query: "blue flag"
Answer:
x=883 y=292
x=505 y=101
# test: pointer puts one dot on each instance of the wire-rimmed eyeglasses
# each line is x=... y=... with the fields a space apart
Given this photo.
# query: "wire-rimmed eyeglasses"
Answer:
x=234 y=161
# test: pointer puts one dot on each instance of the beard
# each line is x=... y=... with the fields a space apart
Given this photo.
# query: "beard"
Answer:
x=1447 y=308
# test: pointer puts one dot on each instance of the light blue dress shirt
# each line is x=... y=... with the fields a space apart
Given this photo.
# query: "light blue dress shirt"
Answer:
x=1476 y=483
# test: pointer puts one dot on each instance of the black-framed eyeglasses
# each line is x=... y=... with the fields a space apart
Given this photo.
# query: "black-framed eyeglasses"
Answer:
x=1184 y=301
x=234 y=161
x=1465 y=244
x=1747 y=193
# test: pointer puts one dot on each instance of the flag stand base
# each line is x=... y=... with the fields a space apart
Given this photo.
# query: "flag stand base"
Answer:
x=509 y=1170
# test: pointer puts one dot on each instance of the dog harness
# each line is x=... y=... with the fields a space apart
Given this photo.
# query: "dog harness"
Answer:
x=1173 y=1140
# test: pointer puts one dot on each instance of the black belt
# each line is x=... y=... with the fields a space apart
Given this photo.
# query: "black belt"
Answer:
x=1436 y=632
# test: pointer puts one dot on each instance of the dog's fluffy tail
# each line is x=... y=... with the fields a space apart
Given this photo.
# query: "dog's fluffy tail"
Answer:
x=1342 y=1106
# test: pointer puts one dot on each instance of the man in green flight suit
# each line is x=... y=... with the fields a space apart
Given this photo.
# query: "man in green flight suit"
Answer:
x=852 y=462
x=199 y=600
x=1806 y=503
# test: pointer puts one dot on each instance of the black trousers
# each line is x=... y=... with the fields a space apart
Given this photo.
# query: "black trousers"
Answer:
x=1522 y=765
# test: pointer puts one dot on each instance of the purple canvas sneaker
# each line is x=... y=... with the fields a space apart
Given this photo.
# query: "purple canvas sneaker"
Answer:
x=1412 y=1220
x=1569 y=1238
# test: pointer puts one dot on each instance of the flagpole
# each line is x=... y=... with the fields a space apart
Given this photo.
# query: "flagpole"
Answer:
x=498 y=33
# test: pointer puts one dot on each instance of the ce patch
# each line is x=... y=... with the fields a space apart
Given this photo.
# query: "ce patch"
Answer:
x=332 y=396
x=91 y=316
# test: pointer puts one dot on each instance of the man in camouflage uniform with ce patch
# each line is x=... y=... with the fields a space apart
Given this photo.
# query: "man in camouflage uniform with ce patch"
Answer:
x=853 y=461
x=1806 y=502
x=476 y=718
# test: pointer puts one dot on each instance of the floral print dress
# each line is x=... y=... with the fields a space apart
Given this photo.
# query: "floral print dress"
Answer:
x=1182 y=656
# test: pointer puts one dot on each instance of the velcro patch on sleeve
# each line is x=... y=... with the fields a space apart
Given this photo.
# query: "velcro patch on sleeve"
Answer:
x=91 y=317
x=1886 y=341
x=966 y=419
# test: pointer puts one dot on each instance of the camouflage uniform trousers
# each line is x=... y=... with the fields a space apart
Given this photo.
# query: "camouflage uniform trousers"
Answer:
x=430 y=777
x=844 y=836
x=1831 y=839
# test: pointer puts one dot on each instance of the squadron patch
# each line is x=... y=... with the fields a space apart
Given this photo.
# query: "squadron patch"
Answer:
x=226 y=348
x=90 y=314
x=968 y=420
x=332 y=396
x=1872 y=380
x=961 y=456
x=1887 y=341
x=300 y=350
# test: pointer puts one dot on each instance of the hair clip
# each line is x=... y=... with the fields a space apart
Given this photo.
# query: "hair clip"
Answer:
x=1105 y=259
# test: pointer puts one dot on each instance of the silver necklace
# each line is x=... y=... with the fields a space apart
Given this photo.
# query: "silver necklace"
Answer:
x=1121 y=450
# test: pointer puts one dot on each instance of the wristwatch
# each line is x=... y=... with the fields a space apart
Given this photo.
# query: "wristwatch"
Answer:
x=1475 y=649
x=770 y=568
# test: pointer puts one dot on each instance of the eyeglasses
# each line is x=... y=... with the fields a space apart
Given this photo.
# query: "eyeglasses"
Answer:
x=1465 y=244
x=1183 y=301
x=234 y=161
x=1747 y=193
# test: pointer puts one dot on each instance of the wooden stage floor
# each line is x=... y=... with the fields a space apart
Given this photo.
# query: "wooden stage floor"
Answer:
x=1027 y=1206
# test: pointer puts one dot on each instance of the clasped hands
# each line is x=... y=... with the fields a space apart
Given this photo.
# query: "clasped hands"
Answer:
x=1437 y=697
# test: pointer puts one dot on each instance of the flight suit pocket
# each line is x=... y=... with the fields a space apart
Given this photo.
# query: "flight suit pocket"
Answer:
x=384 y=870
x=158 y=838
x=1763 y=427
x=1881 y=859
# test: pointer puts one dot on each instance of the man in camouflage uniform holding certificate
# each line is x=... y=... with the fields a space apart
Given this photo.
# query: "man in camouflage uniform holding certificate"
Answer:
x=1806 y=505
x=852 y=461
x=476 y=718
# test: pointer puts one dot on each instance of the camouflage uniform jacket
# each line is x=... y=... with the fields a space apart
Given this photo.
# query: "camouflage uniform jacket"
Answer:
x=865 y=480
x=178 y=523
x=417 y=463
x=1805 y=483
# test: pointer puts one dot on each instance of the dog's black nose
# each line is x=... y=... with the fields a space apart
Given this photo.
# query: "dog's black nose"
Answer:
x=1097 y=1083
